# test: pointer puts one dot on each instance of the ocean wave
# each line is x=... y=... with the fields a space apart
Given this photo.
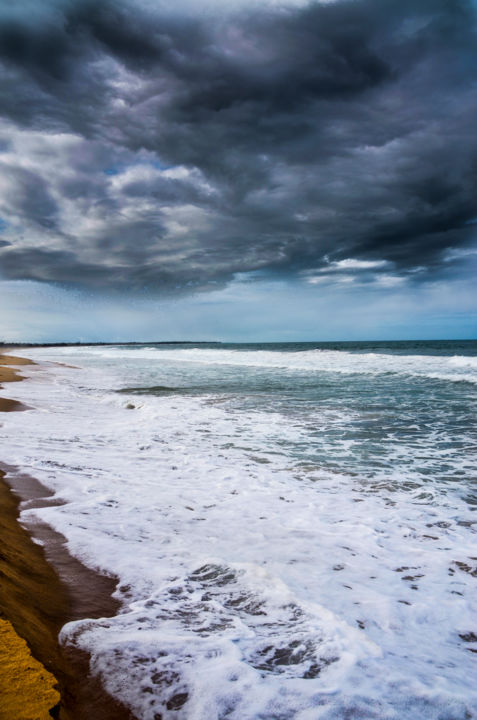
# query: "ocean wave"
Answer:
x=453 y=369
x=257 y=580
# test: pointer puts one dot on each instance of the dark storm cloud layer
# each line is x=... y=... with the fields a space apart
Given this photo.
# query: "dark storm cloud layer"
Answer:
x=171 y=150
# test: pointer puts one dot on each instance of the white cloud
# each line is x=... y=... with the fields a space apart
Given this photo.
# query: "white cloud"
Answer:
x=334 y=279
x=460 y=253
x=353 y=264
x=389 y=281
x=184 y=220
x=344 y=272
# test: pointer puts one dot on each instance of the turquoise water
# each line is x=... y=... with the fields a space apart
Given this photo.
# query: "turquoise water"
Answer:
x=366 y=407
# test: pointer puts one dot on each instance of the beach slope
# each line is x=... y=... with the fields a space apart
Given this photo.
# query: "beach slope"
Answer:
x=43 y=587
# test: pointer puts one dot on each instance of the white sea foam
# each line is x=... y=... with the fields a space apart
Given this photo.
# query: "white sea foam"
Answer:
x=464 y=361
x=254 y=587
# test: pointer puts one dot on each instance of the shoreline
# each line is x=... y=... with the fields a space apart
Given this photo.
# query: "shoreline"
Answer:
x=44 y=587
x=9 y=374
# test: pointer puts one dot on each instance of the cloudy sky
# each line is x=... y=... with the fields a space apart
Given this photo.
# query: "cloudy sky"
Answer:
x=249 y=169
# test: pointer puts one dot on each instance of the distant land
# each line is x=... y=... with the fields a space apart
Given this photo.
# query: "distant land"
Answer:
x=328 y=343
x=102 y=344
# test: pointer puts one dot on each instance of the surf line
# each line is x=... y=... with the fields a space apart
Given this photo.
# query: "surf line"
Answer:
x=42 y=588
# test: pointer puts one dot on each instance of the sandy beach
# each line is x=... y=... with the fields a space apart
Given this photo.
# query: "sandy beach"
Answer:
x=9 y=373
x=43 y=587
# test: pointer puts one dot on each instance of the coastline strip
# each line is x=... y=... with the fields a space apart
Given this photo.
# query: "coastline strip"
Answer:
x=42 y=588
x=9 y=374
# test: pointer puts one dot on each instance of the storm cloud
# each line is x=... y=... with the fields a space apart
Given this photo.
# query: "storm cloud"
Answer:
x=144 y=147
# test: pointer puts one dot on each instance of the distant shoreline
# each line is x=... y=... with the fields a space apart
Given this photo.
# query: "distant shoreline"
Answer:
x=6 y=345
x=134 y=343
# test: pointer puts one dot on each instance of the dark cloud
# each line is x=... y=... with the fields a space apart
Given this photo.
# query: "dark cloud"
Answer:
x=159 y=148
x=27 y=194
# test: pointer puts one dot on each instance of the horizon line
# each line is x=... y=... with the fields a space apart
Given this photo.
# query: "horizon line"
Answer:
x=81 y=343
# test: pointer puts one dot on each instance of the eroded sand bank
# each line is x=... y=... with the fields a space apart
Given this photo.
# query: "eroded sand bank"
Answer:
x=27 y=689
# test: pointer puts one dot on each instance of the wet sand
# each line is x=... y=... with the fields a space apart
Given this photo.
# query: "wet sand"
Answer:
x=42 y=588
x=10 y=374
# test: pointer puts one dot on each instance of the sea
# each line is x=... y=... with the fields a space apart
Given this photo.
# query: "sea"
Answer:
x=292 y=525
